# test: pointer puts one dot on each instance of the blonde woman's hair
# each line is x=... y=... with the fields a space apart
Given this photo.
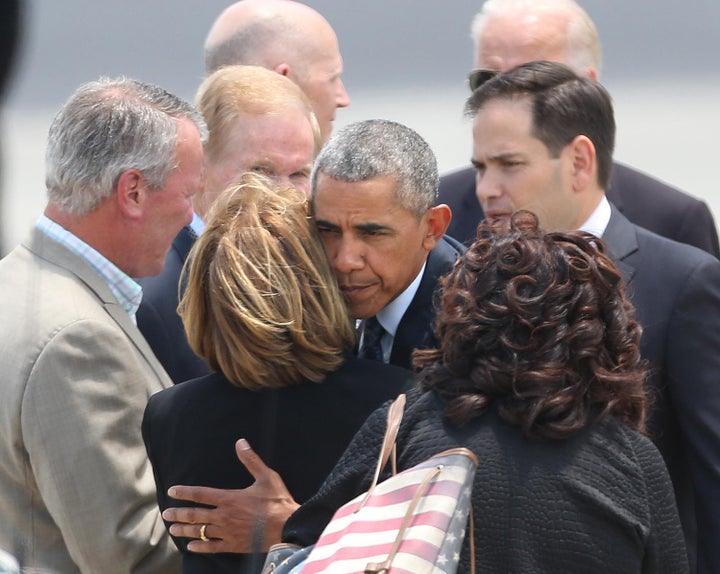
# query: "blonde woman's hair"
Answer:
x=261 y=304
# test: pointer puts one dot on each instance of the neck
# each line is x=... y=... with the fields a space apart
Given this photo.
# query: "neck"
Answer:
x=96 y=228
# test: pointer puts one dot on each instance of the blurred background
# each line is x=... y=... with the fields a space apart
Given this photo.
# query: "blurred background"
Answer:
x=405 y=60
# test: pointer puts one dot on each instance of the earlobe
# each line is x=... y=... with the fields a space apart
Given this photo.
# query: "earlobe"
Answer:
x=283 y=69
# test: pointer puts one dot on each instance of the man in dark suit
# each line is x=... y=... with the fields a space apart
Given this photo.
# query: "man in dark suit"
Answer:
x=510 y=32
x=258 y=121
x=374 y=194
x=557 y=163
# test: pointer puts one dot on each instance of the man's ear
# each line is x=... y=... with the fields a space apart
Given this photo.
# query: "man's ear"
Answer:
x=584 y=163
x=437 y=219
x=131 y=193
x=283 y=69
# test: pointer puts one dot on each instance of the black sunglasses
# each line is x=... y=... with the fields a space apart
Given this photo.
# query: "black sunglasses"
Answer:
x=478 y=77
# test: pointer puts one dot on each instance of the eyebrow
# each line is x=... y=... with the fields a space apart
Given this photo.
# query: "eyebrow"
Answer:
x=372 y=227
x=364 y=227
x=323 y=223
x=498 y=157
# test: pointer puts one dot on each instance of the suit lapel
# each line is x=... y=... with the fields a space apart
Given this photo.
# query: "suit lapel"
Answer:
x=55 y=253
x=621 y=240
x=417 y=324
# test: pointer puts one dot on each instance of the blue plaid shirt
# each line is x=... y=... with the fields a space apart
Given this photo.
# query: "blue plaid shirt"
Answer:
x=127 y=291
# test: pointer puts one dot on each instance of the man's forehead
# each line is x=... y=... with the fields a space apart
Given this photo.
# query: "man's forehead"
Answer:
x=371 y=200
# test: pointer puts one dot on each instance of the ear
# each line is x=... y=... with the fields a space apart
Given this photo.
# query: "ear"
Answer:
x=584 y=163
x=131 y=193
x=592 y=73
x=437 y=219
x=283 y=69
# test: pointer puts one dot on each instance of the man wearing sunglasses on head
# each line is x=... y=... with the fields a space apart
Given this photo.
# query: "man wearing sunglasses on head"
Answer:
x=507 y=33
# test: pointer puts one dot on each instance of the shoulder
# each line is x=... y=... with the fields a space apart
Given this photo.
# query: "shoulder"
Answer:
x=629 y=181
x=673 y=258
x=629 y=240
x=664 y=209
x=455 y=181
x=192 y=393
x=446 y=251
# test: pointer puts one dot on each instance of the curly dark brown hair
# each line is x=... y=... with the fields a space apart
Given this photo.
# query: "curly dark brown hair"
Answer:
x=538 y=325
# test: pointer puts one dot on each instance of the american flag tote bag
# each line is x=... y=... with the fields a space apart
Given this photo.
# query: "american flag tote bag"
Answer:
x=412 y=523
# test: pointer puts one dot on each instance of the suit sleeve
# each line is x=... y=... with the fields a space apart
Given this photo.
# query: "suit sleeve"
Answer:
x=693 y=371
x=81 y=421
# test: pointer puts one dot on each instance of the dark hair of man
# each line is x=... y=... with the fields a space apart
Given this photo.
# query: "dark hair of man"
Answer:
x=537 y=326
x=564 y=106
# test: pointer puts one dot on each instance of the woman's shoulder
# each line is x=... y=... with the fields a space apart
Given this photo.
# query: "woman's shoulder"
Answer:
x=195 y=394
x=622 y=448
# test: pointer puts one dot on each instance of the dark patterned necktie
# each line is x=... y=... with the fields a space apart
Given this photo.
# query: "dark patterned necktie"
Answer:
x=372 y=335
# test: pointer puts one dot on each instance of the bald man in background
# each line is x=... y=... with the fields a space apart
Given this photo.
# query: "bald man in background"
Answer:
x=507 y=33
x=288 y=37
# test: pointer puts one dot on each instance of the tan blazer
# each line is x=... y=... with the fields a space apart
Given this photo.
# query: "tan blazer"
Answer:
x=76 y=488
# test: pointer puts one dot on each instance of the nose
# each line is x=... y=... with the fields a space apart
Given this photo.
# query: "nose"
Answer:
x=487 y=186
x=348 y=255
x=342 y=100
x=299 y=183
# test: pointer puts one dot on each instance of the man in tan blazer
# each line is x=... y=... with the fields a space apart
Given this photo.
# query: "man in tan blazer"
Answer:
x=76 y=488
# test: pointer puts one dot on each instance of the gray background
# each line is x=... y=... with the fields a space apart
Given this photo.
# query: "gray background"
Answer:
x=409 y=43
x=404 y=60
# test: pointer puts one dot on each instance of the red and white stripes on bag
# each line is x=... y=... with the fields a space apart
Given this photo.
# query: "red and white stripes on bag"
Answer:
x=412 y=523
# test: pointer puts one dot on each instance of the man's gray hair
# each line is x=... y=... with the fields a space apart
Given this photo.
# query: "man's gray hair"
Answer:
x=107 y=127
x=381 y=148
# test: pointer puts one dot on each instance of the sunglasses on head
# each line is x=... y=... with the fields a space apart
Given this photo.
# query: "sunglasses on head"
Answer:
x=479 y=76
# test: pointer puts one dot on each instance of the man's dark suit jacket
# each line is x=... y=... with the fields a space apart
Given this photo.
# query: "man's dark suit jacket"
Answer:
x=676 y=291
x=158 y=320
x=299 y=431
x=417 y=324
x=645 y=201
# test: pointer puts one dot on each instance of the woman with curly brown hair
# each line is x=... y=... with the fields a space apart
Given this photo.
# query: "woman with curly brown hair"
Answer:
x=538 y=372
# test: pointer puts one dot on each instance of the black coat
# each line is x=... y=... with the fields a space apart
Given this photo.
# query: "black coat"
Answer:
x=190 y=432
x=598 y=502
x=645 y=201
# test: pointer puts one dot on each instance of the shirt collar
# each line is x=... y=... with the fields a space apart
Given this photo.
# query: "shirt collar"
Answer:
x=127 y=291
x=391 y=315
x=599 y=219
x=197 y=224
